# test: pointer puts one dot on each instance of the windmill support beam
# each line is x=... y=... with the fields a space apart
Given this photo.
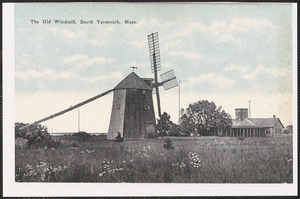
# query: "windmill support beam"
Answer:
x=68 y=109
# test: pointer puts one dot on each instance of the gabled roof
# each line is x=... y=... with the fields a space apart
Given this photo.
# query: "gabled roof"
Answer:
x=132 y=81
x=256 y=123
x=247 y=123
x=266 y=122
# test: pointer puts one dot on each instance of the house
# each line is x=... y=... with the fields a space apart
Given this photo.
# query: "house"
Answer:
x=132 y=110
x=244 y=126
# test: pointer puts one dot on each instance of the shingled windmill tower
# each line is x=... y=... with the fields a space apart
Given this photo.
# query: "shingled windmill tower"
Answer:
x=132 y=110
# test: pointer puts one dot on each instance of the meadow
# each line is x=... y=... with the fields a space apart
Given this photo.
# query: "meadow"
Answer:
x=192 y=160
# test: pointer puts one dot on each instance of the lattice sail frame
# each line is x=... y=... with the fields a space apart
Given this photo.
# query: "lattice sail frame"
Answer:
x=154 y=52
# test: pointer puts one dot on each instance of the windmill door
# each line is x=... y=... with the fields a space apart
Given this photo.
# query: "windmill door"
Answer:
x=150 y=131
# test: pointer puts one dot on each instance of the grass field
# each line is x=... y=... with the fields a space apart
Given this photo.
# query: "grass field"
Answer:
x=193 y=160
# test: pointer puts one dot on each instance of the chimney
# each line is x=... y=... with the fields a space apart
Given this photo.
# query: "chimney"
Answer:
x=241 y=114
x=274 y=116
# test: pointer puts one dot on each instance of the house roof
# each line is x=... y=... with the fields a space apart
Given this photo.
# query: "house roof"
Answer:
x=247 y=123
x=266 y=122
x=256 y=123
x=132 y=81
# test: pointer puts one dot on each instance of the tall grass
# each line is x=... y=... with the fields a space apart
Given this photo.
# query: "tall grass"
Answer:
x=193 y=160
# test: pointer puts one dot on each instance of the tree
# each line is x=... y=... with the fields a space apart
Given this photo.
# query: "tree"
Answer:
x=204 y=117
x=18 y=132
x=167 y=124
x=36 y=135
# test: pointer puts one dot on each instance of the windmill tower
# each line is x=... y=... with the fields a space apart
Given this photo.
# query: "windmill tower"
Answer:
x=132 y=111
x=168 y=79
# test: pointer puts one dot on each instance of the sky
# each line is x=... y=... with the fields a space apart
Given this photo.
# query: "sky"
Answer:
x=227 y=53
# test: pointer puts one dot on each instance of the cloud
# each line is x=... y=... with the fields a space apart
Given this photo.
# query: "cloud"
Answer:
x=84 y=60
x=172 y=44
x=211 y=79
x=95 y=42
x=262 y=70
x=31 y=74
x=140 y=43
x=251 y=74
x=68 y=33
x=55 y=75
x=225 y=31
x=235 y=68
x=188 y=55
x=113 y=75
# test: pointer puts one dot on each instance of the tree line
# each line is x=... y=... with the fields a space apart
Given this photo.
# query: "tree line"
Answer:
x=200 y=118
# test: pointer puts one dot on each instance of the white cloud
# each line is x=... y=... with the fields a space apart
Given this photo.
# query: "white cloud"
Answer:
x=172 y=44
x=224 y=31
x=84 y=60
x=235 y=68
x=189 y=29
x=31 y=74
x=140 y=43
x=113 y=75
x=212 y=79
x=68 y=33
x=188 y=55
x=95 y=42
x=251 y=74
x=261 y=70
x=54 y=75
x=246 y=24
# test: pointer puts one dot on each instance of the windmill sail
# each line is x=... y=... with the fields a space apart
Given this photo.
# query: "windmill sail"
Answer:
x=153 y=43
x=168 y=80
x=155 y=63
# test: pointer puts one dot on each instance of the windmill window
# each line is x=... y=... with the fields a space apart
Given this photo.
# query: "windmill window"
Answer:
x=118 y=106
x=143 y=92
x=147 y=107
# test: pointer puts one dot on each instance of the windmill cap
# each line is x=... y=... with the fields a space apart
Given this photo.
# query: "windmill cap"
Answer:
x=133 y=81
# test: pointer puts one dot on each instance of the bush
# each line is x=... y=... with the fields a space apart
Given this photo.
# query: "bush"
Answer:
x=285 y=131
x=241 y=138
x=82 y=135
x=168 y=144
x=18 y=132
x=38 y=136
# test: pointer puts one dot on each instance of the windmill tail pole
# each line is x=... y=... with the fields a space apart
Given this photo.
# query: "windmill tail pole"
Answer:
x=68 y=109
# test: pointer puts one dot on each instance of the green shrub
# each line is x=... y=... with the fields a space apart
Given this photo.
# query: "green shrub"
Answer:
x=18 y=132
x=241 y=137
x=286 y=131
x=168 y=144
x=82 y=135
x=37 y=136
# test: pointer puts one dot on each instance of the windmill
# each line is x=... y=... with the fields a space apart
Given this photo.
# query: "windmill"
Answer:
x=132 y=113
x=168 y=79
